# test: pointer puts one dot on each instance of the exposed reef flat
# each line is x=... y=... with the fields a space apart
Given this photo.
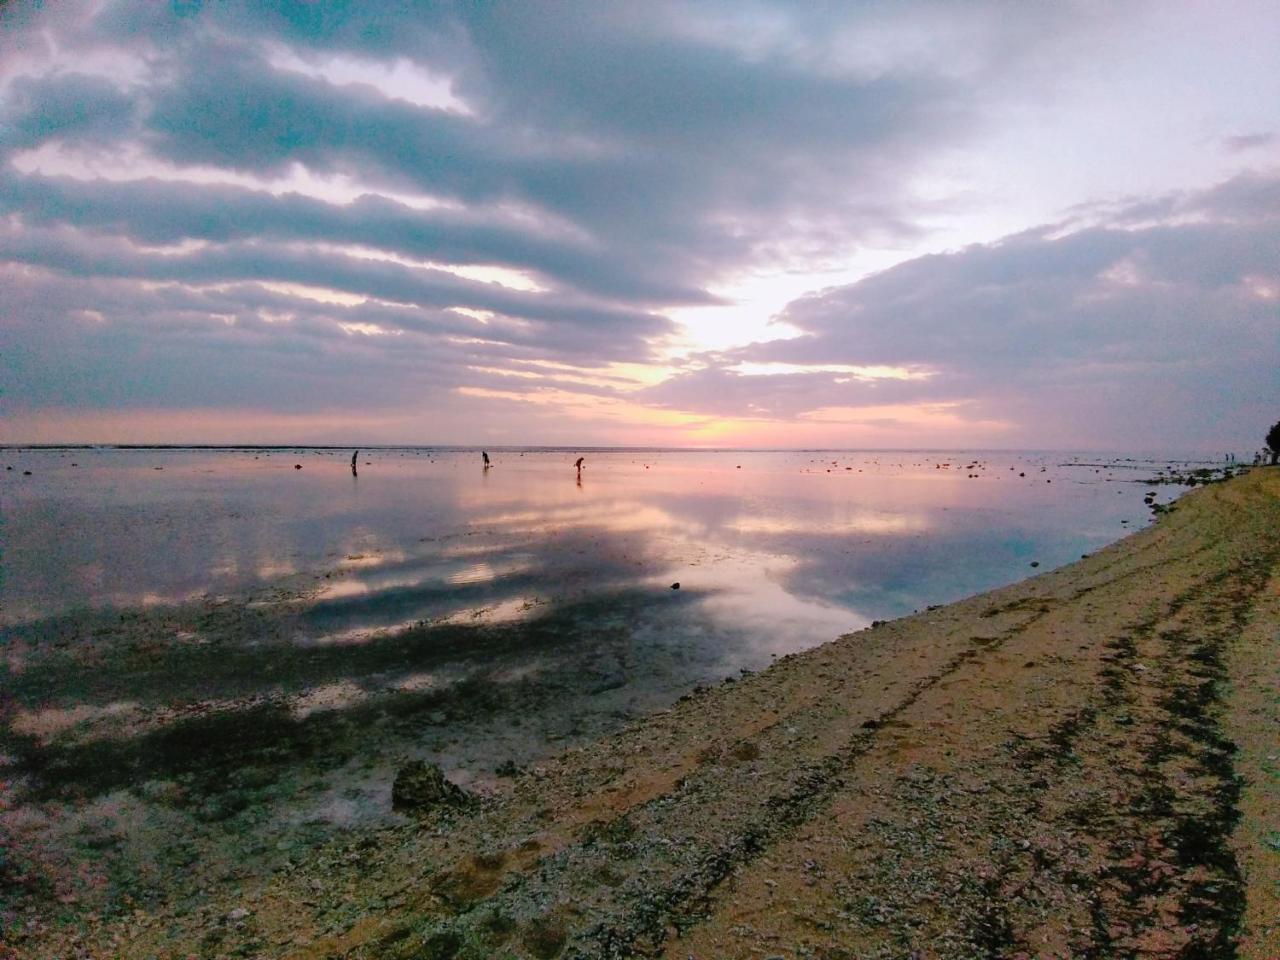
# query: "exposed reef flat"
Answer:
x=1083 y=764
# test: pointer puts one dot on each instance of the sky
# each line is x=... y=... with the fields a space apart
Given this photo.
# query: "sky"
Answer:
x=748 y=223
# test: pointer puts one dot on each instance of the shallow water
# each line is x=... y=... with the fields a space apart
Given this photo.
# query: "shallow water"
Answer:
x=774 y=552
x=219 y=650
x=798 y=546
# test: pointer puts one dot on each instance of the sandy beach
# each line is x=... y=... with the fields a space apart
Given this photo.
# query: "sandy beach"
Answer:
x=1083 y=764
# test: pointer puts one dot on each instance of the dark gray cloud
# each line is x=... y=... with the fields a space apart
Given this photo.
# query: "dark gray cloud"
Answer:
x=156 y=212
x=667 y=154
x=1251 y=197
x=171 y=346
x=1162 y=293
x=1249 y=141
x=68 y=106
x=75 y=254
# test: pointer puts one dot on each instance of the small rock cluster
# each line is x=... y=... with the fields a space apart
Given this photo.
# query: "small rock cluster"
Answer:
x=420 y=788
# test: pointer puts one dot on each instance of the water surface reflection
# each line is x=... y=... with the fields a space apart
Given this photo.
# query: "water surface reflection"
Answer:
x=799 y=543
x=773 y=552
x=247 y=650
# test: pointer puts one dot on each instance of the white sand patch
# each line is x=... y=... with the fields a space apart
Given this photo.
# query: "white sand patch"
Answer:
x=372 y=559
x=354 y=585
x=153 y=599
x=508 y=611
x=415 y=682
x=272 y=568
x=342 y=588
x=48 y=724
x=331 y=696
x=358 y=635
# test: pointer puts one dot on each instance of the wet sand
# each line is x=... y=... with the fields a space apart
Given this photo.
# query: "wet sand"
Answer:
x=1081 y=764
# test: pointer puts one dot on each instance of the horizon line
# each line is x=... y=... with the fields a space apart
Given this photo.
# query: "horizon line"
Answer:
x=588 y=448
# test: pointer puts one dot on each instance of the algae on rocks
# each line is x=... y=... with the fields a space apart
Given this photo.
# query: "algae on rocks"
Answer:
x=421 y=788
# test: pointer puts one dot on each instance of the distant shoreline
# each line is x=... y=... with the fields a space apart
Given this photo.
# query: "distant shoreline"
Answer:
x=1117 y=457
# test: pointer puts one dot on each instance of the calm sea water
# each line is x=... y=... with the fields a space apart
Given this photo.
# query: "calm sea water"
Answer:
x=781 y=550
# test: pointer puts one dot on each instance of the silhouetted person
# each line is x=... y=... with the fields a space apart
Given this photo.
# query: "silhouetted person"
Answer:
x=353 y=463
x=486 y=459
x=578 y=463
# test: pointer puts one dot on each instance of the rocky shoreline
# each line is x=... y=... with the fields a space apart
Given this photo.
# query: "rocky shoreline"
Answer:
x=1083 y=764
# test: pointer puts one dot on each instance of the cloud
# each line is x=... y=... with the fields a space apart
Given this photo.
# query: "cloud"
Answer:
x=108 y=342
x=673 y=155
x=360 y=277
x=69 y=106
x=159 y=212
x=619 y=164
x=269 y=206
x=1249 y=141
x=1168 y=330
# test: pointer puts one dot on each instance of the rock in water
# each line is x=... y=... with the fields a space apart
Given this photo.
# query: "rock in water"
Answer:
x=420 y=787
